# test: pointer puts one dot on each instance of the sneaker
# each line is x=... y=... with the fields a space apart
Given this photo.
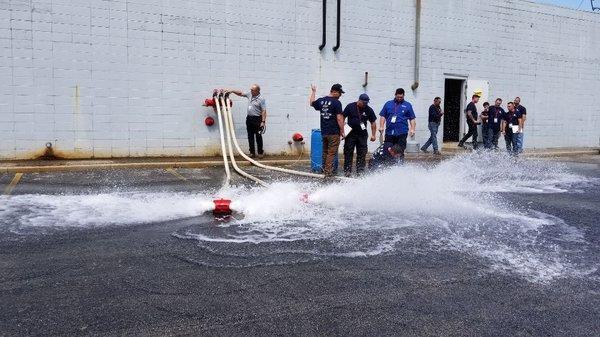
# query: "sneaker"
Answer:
x=437 y=153
x=252 y=155
x=260 y=156
x=424 y=150
x=461 y=145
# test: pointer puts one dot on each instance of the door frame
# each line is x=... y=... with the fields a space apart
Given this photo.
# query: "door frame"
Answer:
x=463 y=98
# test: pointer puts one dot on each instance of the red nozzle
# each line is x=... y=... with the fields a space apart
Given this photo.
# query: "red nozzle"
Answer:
x=297 y=137
x=209 y=121
x=222 y=207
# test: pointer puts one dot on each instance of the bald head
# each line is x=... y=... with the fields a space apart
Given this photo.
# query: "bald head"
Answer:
x=255 y=89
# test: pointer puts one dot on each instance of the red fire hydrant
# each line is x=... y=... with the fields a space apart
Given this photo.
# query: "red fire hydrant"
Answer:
x=222 y=207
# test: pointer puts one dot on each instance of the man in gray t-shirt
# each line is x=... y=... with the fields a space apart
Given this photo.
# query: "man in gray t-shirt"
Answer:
x=256 y=119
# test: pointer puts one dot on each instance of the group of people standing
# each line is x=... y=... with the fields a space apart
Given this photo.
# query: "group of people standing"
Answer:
x=396 y=123
x=494 y=120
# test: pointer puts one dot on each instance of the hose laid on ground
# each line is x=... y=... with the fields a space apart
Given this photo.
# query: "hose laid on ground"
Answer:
x=256 y=163
x=226 y=117
x=227 y=172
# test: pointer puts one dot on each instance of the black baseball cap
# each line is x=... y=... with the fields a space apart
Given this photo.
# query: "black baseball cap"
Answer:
x=337 y=87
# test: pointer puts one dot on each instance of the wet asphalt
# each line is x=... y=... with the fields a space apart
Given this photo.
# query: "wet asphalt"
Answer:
x=140 y=280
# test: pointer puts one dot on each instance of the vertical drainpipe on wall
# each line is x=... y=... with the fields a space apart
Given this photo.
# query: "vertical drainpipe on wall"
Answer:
x=415 y=85
x=324 y=39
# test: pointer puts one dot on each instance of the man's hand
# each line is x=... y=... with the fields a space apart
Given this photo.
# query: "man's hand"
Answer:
x=373 y=137
x=411 y=133
x=313 y=88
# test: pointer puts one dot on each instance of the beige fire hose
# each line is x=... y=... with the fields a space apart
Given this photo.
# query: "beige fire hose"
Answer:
x=221 y=133
x=256 y=163
x=221 y=101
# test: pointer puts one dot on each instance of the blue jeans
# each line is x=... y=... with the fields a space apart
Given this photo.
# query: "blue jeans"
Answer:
x=433 y=129
x=517 y=143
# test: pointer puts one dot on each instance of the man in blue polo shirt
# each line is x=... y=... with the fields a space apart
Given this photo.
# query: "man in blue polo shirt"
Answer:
x=358 y=114
x=332 y=124
x=495 y=114
x=398 y=121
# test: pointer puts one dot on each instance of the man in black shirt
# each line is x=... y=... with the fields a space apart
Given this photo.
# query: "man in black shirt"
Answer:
x=472 y=122
x=496 y=114
x=435 y=118
x=358 y=113
x=332 y=123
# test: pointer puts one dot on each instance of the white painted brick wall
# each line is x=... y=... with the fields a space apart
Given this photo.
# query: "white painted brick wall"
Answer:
x=142 y=68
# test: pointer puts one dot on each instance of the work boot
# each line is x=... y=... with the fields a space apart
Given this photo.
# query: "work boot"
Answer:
x=424 y=150
x=437 y=153
x=461 y=145
x=252 y=155
x=260 y=156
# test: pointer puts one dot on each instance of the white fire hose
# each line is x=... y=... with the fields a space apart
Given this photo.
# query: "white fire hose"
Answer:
x=221 y=102
x=227 y=172
x=256 y=163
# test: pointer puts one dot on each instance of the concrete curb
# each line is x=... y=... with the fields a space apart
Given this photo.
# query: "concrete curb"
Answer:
x=199 y=164
x=141 y=165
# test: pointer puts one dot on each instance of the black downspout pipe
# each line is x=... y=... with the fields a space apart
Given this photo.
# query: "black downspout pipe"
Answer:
x=337 y=33
x=324 y=41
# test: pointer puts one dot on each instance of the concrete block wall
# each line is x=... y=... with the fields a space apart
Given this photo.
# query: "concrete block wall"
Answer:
x=121 y=78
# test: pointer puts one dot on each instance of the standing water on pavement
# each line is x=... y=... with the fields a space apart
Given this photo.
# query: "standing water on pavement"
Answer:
x=464 y=204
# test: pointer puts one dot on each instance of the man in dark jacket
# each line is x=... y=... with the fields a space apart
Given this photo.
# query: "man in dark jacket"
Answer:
x=435 y=118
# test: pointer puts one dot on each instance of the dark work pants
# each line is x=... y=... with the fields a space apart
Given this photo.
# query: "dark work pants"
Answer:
x=391 y=140
x=508 y=139
x=253 y=128
x=472 y=132
x=358 y=140
x=486 y=131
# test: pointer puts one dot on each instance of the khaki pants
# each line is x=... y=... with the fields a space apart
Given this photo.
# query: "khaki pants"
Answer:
x=330 y=148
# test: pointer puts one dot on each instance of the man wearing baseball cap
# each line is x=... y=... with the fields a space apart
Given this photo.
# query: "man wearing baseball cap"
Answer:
x=332 y=123
x=472 y=122
x=357 y=114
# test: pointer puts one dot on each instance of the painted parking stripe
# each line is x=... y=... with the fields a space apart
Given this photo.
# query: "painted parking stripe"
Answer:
x=15 y=180
x=176 y=174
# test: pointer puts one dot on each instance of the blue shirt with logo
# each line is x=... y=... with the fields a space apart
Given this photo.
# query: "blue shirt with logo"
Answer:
x=397 y=115
x=329 y=107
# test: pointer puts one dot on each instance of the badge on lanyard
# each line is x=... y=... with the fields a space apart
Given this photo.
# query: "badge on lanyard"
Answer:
x=393 y=119
x=495 y=120
x=363 y=126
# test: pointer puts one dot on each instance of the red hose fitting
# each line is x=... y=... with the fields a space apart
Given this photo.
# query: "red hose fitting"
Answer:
x=209 y=102
x=222 y=207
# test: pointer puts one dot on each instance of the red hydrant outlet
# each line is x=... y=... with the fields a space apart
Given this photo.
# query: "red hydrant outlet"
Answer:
x=209 y=102
x=297 y=137
x=209 y=121
x=222 y=207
